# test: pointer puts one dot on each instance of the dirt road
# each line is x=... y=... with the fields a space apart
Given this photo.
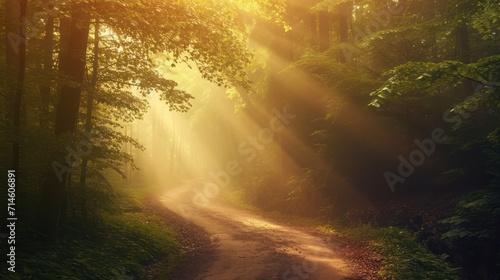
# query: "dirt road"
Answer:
x=250 y=246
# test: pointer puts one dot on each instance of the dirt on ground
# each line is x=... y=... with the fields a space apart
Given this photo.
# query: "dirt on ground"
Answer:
x=221 y=242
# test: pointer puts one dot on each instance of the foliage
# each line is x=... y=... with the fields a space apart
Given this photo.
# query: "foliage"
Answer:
x=192 y=31
x=432 y=78
x=477 y=216
x=486 y=21
x=118 y=245
x=304 y=194
x=121 y=244
x=404 y=257
x=414 y=62
x=339 y=78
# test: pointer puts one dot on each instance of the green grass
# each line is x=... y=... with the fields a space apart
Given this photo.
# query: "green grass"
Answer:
x=126 y=242
x=404 y=257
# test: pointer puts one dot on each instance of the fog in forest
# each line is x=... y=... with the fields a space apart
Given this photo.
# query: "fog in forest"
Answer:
x=260 y=139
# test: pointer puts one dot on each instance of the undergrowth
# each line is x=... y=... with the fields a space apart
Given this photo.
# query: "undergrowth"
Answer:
x=404 y=257
x=124 y=244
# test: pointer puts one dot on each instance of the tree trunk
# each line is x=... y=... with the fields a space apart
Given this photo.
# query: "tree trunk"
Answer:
x=72 y=66
x=20 y=85
x=313 y=30
x=173 y=148
x=47 y=69
x=88 y=119
x=465 y=56
x=324 y=31
x=344 y=12
x=12 y=45
x=15 y=63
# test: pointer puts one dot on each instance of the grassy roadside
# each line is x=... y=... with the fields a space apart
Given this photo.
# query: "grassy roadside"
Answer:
x=403 y=255
x=123 y=243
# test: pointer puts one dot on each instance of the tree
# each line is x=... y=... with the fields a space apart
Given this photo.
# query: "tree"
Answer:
x=16 y=60
x=72 y=67
x=191 y=33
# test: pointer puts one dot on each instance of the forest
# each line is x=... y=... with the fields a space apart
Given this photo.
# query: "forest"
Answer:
x=259 y=139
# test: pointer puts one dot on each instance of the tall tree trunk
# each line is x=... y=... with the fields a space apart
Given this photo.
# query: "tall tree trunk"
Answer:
x=20 y=85
x=156 y=130
x=344 y=14
x=16 y=58
x=88 y=119
x=12 y=44
x=72 y=66
x=434 y=50
x=126 y=149
x=324 y=31
x=47 y=69
x=173 y=147
x=313 y=30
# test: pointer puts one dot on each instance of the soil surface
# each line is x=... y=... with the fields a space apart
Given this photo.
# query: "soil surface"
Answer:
x=221 y=242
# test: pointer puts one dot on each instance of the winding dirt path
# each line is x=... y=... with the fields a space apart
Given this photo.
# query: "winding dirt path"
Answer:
x=250 y=246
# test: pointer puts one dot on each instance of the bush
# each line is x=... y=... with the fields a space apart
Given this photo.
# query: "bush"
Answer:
x=119 y=244
x=404 y=256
